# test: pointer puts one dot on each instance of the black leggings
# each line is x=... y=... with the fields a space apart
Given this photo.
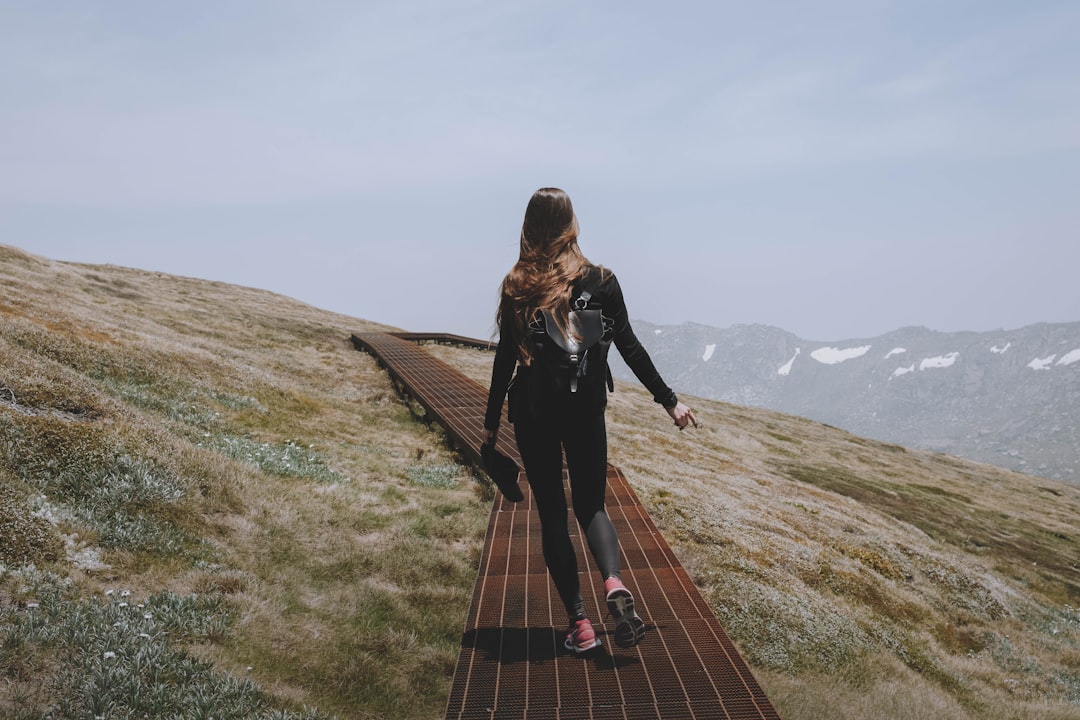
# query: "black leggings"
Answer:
x=584 y=437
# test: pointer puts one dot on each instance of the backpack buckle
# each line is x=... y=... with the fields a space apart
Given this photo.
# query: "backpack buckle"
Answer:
x=575 y=371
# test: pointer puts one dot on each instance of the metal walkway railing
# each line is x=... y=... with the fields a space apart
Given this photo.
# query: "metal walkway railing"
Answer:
x=512 y=664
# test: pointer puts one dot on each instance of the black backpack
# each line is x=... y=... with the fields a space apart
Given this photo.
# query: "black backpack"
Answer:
x=575 y=350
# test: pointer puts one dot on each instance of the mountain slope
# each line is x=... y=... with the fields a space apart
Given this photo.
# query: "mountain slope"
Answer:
x=295 y=544
x=862 y=579
x=201 y=472
x=1011 y=398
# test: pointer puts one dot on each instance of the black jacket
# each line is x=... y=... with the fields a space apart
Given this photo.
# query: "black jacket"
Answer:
x=527 y=393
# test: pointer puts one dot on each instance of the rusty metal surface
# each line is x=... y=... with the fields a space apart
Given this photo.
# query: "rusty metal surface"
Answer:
x=446 y=339
x=511 y=663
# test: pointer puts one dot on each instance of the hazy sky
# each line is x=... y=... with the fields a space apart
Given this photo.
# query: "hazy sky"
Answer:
x=838 y=169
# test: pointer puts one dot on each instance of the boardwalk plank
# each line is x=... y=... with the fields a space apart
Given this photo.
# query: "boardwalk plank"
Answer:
x=511 y=664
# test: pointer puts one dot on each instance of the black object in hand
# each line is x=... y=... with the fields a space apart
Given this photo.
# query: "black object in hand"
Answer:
x=503 y=471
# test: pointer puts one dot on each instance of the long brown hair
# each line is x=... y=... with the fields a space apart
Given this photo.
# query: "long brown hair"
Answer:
x=548 y=265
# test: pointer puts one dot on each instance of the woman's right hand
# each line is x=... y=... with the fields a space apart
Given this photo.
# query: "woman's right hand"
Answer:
x=490 y=436
x=682 y=415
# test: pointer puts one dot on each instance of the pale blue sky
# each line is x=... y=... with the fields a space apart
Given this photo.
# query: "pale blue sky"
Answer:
x=836 y=169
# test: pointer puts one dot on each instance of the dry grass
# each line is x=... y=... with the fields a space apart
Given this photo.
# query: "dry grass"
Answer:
x=169 y=435
x=223 y=455
x=862 y=579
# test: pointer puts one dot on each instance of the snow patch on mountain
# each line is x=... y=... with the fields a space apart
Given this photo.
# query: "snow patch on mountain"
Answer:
x=658 y=331
x=932 y=363
x=1000 y=350
x=785 y=369
x=1042 y=363
x=895 y=351
x=1070 y=357
x=832 y=356
x=709 y=350
x=941 y=361
x=902 y=371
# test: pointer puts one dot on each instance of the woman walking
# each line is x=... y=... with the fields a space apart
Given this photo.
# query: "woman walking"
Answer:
x=559 y=406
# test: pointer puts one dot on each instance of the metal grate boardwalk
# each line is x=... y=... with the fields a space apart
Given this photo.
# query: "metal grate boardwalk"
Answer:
x=511 y=663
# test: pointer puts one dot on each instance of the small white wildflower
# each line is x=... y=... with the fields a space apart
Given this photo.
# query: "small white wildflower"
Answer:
x=109 y=655
x=144 y=636
x=116 y=624
x=148 y=616
x=125 y=593
x=140 y=605
x=249 y=668
x=108 y=592
x=123 y=604
x=31 y=605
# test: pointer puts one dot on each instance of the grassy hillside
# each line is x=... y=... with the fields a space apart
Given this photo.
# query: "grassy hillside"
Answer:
x=209 y=501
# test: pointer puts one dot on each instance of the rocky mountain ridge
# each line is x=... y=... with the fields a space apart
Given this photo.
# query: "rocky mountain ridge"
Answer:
x=1006 y=397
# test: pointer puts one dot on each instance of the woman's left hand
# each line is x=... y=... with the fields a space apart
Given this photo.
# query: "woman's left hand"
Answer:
x=682 y=415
